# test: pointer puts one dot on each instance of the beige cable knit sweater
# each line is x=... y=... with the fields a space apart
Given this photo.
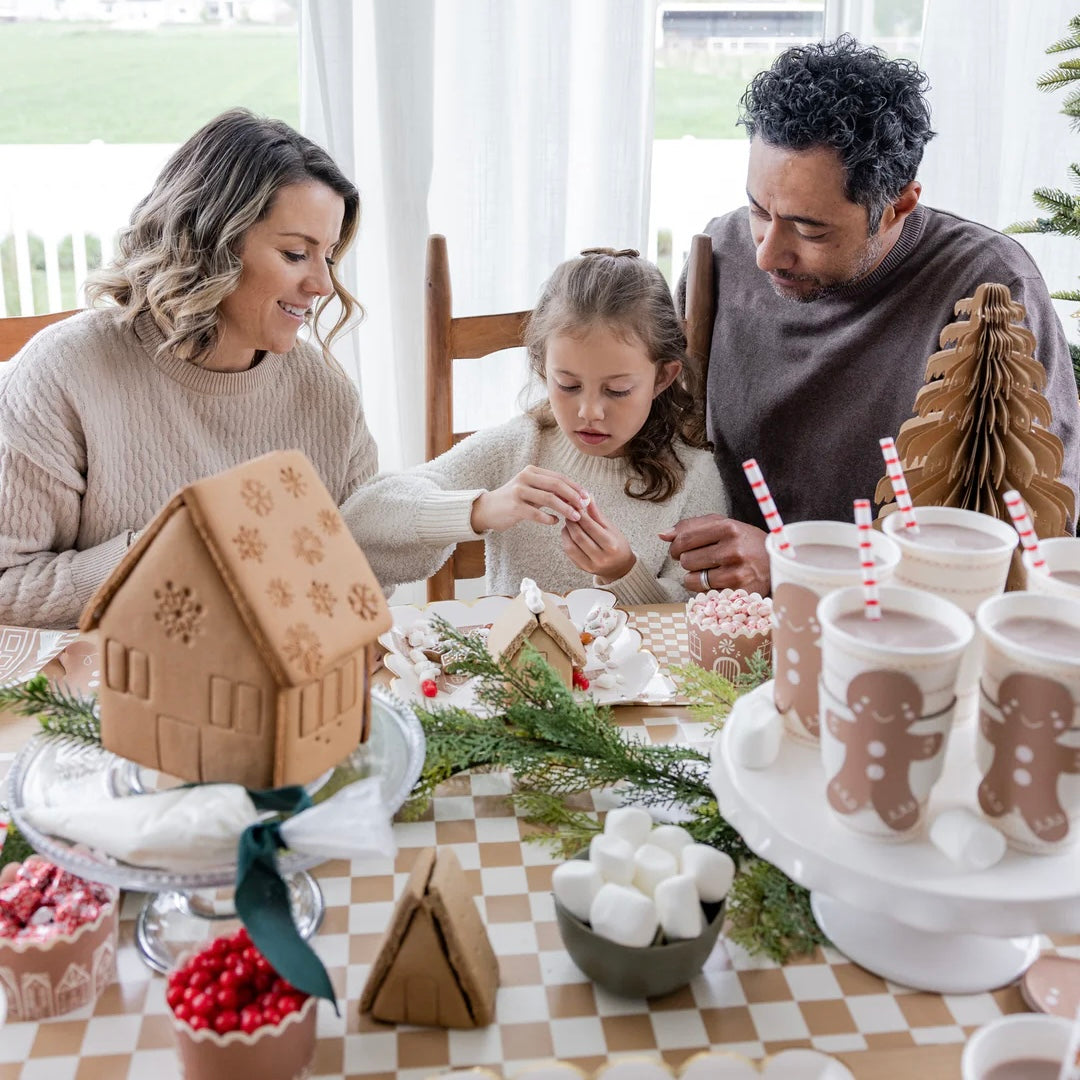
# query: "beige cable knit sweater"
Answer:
x=430 y=506
x=96 y=433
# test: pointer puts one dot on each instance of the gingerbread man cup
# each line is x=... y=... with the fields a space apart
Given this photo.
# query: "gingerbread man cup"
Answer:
x=880 y=744
x=824 y=557
x=1028 y=742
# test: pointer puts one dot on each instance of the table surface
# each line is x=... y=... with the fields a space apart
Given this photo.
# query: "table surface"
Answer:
x=545 y=1007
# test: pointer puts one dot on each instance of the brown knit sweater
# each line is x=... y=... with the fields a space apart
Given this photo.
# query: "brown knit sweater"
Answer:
x=97 y=432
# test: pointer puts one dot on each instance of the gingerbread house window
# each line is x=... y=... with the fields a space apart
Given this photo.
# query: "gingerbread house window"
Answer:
x=127 y=671
x=235 y=705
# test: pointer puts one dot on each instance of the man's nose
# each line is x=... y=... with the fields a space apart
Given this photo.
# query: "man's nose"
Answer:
x=773 y=252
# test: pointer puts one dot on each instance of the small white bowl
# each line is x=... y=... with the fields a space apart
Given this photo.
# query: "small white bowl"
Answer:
x=1013 y=1037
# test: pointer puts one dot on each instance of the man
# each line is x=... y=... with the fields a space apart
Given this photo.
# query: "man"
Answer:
x=831 y=299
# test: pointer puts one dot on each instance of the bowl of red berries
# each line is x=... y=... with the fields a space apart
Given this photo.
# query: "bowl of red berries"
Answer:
x=233 y=1015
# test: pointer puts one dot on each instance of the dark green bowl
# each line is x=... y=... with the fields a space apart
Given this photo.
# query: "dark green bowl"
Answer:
x=638 y=972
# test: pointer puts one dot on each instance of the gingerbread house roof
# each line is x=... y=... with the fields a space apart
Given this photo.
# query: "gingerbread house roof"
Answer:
x=300 y=582
x=515 y=623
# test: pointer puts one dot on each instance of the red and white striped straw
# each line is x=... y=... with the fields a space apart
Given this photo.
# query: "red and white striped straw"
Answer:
x=1019 y=515
x=768 y=507
x=899 y=484
x=871 y=603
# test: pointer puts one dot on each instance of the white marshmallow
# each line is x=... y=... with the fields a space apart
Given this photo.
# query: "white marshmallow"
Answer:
x=712 y=871
x=631 y=823
x=575 y=885
x=671 y=838
x=966 y=839
x=651 y=865
x=624 y=916
x=613 y=857
x=755 y=739
x=678 y=907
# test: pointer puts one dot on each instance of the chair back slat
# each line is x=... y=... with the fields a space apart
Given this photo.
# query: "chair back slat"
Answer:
x=17 y=330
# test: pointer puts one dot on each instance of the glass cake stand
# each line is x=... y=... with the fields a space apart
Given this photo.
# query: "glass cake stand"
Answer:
x=901 y=910
x=60 y=770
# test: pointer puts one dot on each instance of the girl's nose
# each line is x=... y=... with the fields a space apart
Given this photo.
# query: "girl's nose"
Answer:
x=591 y=408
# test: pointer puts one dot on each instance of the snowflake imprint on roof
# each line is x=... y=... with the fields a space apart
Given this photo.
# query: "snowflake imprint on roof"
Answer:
x=307 y=546
x=293 y=482
x=257 y=497
x=249 y=543
x=280 y=593
x=179 y=612
x=302 y=647
x=330 y=522
x=363 y=601
x=322 y=598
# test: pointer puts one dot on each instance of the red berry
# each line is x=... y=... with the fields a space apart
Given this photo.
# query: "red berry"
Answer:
x=243 y=971
x=579 y=680
x=268 y=1000
x=263 y=981
x=262 y=964
x=198 y=1023
x=220 y=946
x=288 y=1004
x=226 y=1021
x=178 y=978
x=228 y=978
x=190 y=992
x=250 y=1019
x=182 y=1011
x=200 y=979
x=428 y=688
x=174 y=996
x=241 y=937
x=272 y=1017
x=226 y=998
x=203 y=1004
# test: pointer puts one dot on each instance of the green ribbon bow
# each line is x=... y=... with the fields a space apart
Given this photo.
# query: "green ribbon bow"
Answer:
x=262 y=897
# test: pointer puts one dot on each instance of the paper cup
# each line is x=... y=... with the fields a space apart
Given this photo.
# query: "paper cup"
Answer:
x=1018 y=1037
x=797 y=586
x=965 y=575
x=1062 y=555
x=888 y=709
x=1028 y=744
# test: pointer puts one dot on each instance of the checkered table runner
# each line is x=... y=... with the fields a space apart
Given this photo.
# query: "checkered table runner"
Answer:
x=545 y=1007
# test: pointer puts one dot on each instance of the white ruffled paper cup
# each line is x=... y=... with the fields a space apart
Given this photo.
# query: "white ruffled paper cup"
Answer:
x=1062 y=555
x=727 y=652
x=797 y=586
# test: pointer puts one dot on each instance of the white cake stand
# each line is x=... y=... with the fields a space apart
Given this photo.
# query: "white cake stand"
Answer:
x=901 y=910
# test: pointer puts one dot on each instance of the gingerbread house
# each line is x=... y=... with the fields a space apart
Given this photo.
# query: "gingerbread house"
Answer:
x=236 y=632
x=548 y=630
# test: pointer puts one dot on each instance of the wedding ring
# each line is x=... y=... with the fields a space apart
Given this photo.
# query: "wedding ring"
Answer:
x=705 y=580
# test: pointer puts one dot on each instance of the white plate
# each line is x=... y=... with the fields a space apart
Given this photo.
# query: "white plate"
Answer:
x=642 y=679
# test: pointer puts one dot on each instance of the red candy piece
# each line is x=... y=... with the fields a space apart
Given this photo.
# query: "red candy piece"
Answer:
x=428 y=688
x=39 y=874
x=8 y=927
x=580 y=682
x=19 y=900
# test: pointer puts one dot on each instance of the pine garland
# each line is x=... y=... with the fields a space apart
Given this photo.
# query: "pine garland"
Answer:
x=60 y=711
x=560 y=745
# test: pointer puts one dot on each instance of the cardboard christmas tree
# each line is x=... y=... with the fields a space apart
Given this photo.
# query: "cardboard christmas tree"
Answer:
x=435 y=965
x=982 y=422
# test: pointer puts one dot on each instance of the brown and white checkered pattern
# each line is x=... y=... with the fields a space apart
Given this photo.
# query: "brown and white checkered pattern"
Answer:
x=545 y=1007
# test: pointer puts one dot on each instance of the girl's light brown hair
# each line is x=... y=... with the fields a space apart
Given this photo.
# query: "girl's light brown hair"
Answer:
x=179 y=256
x=620 y=292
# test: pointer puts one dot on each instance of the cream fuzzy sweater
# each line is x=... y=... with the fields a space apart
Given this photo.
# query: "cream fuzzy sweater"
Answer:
x=97 y=432
x=430 y=506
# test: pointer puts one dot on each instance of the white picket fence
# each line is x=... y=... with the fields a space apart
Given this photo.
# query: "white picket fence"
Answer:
x=51 y=192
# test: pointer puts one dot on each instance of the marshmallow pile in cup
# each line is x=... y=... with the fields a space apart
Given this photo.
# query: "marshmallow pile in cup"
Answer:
x=732 y=611
x=640 y=880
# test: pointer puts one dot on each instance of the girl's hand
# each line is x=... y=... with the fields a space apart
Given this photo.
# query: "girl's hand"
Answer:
x=596 y=546
x=533 y=495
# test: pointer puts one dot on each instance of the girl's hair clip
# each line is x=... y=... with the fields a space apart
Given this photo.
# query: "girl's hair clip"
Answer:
x=630 y=253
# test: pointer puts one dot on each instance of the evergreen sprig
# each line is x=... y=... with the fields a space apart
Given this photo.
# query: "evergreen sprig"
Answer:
x=16 y=847
x=60 y=711
x=768 y=913
x=712 y=695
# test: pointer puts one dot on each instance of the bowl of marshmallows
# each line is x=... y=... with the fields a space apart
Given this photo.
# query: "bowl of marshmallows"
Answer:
x=640 y=911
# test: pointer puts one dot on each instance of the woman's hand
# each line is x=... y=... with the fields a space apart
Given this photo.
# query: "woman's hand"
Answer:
x=533 y=495
x=596 y=546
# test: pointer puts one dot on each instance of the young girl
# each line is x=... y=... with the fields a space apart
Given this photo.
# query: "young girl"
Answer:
x=575 y=492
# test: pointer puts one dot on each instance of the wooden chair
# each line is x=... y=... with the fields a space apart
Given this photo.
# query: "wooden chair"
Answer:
x=17 y=330
x=449 y=339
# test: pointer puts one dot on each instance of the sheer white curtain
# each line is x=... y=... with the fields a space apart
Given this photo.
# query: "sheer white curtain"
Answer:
x=998 y=136
x=521 y=129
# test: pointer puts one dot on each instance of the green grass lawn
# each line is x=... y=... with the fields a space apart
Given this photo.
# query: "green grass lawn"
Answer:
x=64 y=82
x=703 y=104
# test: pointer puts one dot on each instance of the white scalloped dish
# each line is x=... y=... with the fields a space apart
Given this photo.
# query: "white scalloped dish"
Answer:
x=640 y=677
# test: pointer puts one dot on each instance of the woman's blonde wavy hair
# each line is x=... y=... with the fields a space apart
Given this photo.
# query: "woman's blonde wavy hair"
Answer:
x=179 y=256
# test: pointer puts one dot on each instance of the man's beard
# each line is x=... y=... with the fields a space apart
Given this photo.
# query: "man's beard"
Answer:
x=869 y=258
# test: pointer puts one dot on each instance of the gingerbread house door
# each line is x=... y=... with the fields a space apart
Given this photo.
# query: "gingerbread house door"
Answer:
x=178 y=747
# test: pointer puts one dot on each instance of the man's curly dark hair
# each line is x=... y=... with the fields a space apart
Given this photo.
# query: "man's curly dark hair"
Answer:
x=871 y=110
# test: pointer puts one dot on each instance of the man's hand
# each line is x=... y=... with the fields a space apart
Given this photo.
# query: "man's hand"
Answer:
x=535 y=494
x=596 y=546
x=731 y=552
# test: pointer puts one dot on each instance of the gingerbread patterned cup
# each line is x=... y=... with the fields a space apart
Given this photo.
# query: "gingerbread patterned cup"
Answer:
x=888 y=693
x=960 y=555
x=826 y=558
x=1062 y=555
x=1028 y=743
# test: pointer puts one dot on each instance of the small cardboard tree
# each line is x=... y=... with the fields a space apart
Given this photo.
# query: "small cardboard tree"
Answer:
x=981 y=424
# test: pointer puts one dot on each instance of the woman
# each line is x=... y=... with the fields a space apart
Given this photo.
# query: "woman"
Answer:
x=189 y=365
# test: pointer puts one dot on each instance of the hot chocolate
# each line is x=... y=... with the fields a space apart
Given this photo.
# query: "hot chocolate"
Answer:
x=1051 y=637
x=1024 y=1069
x=829 y=556
x=1070 y=577
x=952 y=538
x=896 y=629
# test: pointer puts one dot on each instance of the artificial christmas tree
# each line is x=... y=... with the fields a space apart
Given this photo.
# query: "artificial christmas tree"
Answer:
x=982 y=422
